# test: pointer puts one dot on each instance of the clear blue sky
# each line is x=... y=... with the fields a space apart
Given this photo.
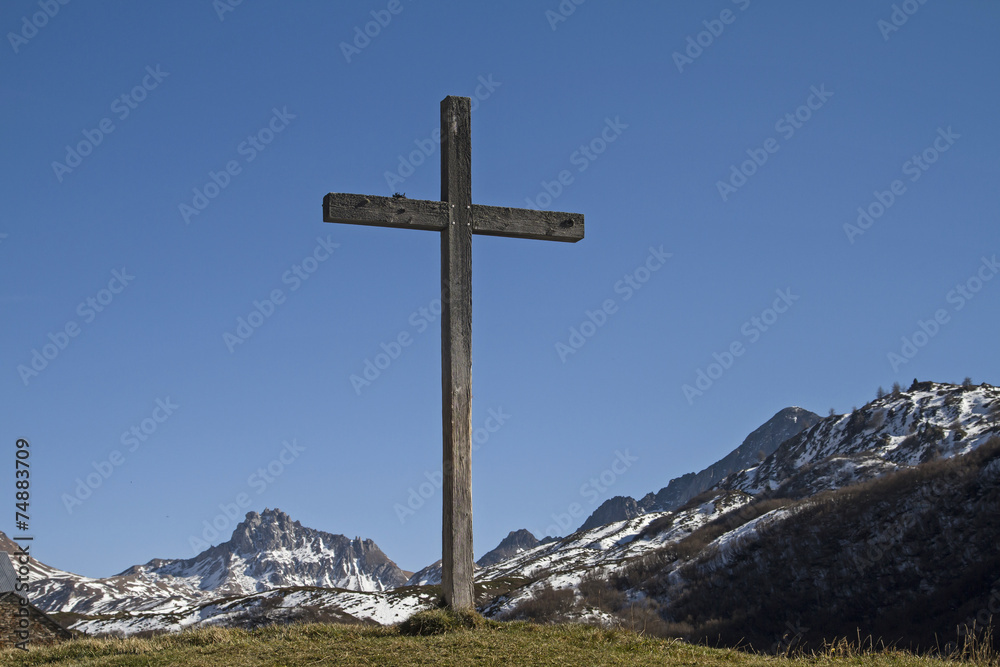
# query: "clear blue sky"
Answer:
x=268 y=92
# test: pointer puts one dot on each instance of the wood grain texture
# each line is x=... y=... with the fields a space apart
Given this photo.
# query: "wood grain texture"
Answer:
x=385 y=211
x=524 y=223
x=456 y=353
x=434 y=216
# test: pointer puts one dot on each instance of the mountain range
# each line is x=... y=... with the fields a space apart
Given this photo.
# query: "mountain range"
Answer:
x=266 y=551
x=885 y=519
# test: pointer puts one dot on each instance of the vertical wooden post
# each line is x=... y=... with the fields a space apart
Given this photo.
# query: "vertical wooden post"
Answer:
x=456 y=352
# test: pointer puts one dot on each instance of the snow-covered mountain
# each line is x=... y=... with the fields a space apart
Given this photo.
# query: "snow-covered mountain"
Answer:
x=887 y=519
x=567 y=561
x=430 y=575
x=266 y=551
x=517 y=541
x=270 y=550
x=763 y=441
x=900 y=430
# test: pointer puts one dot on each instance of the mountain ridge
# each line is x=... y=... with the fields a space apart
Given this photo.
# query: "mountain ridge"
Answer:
x=762 y=441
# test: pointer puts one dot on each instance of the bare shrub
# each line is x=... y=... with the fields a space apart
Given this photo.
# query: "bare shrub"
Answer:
x=644 y=619
x=601 y=593
x=547 y=605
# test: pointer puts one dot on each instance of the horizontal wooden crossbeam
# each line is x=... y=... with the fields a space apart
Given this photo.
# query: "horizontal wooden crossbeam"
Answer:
x=429 y=215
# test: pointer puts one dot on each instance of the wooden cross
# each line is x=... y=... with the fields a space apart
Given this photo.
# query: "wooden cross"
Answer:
x=457 y=218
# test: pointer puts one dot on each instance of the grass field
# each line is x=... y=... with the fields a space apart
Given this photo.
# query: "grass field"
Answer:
x=489 y=643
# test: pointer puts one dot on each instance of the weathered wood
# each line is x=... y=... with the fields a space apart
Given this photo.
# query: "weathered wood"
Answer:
x=385 y=211
x=433 y=216
x=527 y=224
x=457 y=219
x=456 y=353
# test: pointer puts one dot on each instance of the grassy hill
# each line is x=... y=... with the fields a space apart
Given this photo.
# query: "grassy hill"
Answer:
x=491 y=643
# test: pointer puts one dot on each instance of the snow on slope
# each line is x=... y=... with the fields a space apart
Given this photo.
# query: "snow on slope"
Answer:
x=586 y=548
x=722 y=548
x=897 y=431
x=275 y=606
x=604 y=549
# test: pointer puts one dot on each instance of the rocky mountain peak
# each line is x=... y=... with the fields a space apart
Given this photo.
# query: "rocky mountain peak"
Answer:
x=614 y=509
x=268 y=531
x=515 y=542
x=518 y=538
x=763 y=441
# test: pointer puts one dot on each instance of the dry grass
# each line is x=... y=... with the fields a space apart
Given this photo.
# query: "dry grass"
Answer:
x=488 y=644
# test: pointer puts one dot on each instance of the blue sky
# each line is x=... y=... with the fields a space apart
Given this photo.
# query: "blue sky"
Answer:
x=737 y=137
